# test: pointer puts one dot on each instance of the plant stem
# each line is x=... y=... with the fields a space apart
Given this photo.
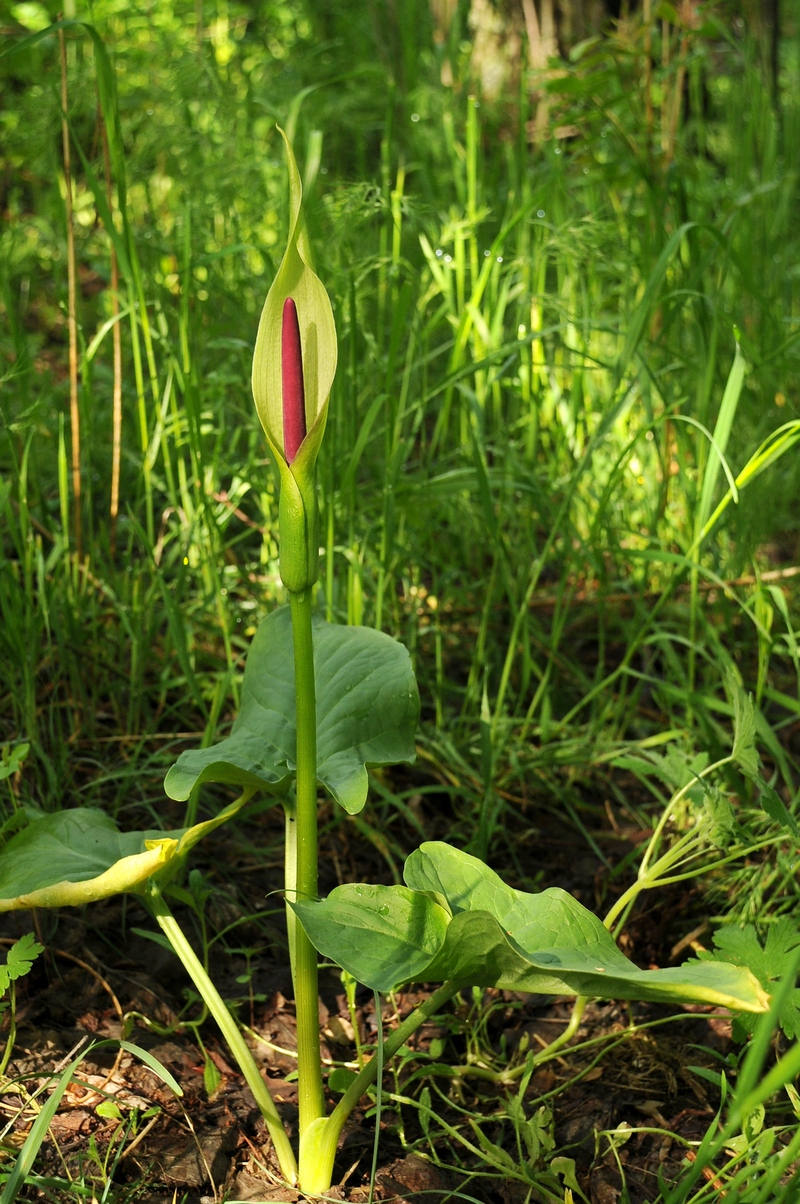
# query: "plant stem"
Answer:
x=306 y=988
x=116 y=336
x=650 y=876
x=318 y=1148
x=12 y=1029
x=578 y=1008
x=290 y=874
x=228 y=1026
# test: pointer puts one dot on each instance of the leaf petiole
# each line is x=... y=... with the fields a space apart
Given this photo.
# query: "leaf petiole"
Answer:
x=306 y=978
x=229 y=1028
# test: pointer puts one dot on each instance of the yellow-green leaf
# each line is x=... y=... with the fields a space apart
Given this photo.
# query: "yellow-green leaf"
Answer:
x=75 y=857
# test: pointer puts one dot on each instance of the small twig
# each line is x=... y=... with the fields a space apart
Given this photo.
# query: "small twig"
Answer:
x=69 y=1056
x=707 y=1172
x=689 y=940
x=95 y=974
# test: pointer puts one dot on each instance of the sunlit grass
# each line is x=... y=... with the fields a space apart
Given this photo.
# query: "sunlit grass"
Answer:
x=523 y=477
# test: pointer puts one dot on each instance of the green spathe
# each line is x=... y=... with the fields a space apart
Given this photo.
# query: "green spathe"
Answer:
x=482 y=932
x=296 y=278
x=367 y=711
x=75 y=857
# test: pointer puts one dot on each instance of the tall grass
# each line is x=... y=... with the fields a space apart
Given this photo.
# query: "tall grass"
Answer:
x=560 y=463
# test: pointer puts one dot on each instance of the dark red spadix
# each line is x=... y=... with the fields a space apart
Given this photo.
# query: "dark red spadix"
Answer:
x=294 y=394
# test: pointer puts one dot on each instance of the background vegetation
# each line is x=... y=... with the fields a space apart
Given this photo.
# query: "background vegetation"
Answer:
x=560 y=459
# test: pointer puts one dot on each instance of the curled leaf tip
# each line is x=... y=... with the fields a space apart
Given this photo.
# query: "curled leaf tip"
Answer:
x=294 y=402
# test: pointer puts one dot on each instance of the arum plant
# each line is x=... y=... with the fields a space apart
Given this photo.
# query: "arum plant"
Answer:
x=320 y=704
x=355 y=704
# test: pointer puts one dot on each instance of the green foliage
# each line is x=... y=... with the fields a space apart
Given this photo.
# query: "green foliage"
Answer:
x=566 y=393
x=20 y=958
x=746 y=757
x=79 y=856
x=460 y=922
x=367 y=711
x=12 y=759
x=504 y=428
x=768 y=962
x=744 y=734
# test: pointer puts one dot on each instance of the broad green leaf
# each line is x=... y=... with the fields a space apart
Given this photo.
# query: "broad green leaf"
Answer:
x=500 y=937
x=340 y=1079
x=495 y=1155
x=75 y=857
x=745 y=754
x=553 y=937
x=367 y=711
x=383 y=935
x=212 y=1076
x=723 y=830
x=565 y=1167
x=675 y=768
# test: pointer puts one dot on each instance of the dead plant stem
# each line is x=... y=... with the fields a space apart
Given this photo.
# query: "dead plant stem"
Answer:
x=72 y=322
x=116 y=335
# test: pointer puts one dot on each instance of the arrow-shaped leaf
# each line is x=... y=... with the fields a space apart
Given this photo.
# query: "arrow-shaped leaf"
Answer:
x=367 y=711
x=74 y=857
x=487 y=934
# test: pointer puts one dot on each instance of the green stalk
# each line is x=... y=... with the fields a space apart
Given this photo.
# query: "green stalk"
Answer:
x=306 y=988
x=578 y=1008
x=12 y=1029
x=318 y=1144
x=228 y=1027
x=290 y=874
